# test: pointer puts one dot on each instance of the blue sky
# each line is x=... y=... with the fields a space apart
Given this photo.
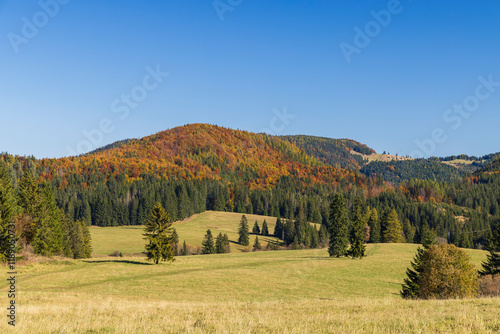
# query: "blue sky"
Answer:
x=67 y=68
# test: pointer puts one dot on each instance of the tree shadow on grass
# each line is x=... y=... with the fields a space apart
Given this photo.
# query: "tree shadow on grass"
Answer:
x=120 y=261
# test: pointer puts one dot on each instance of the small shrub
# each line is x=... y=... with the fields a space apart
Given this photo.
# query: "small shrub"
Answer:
x=489 y=286
x=447 y=273
x=116 y=254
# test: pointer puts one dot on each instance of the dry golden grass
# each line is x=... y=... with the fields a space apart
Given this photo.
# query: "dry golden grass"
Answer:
x=301 y=291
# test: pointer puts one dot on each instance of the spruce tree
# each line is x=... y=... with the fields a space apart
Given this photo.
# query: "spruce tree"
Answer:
x=158 y=232
x=492 y=264
x=256 y=229
x=392 y=232
x=207 y=245
x=265 y=229
x=219 y=244
x=175 y=238
x=338 y=227
x=279 y=229
x=374 y=224
x=243 y=233
x=184 y=248
x=358 y=230
x=410 y=289
x=256 y=244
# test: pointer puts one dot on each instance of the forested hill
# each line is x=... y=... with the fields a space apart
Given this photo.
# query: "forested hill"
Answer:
x=202 y=151
x=403 y=170
x=200 y=167
x=334 y=152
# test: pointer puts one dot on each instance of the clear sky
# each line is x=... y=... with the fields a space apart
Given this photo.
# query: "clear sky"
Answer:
x=385 y=73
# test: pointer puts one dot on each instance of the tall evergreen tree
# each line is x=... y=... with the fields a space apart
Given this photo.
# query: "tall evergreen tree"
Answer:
x=265 y=229
x=492 y=264
x=392 y=232
x=256 y=228
x=158 y=232
x=256 y=244
x=339 y=222
x=184 y=248
x=358 y=230
x=243 y=233
x=279 y=229
x=222 y=244
x=207 y=245
x=374 y=224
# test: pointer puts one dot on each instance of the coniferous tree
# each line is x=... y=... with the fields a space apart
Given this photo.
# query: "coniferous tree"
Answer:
x=256 y=244
x=158 y=232
x=492 y=264
x=243 y=233
x=184 y=248
x=374 y=224
x=339 y=222
x=7 y=212
x=256 y=228
x=265 y=229
x=222 y=244
x=392 y=232
x=410 y=289
x=175 y=238
x=358 y=230
x=279 y=229
x=207 y=245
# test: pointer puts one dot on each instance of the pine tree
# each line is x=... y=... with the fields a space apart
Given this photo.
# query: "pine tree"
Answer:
x=221 y=244
x=207 y=245
x=158 y=231
x=492 y=264
x=184 y=249
x=225 y=243
x=358 y=230
x=243 y=233
x=411 y=286
x=256 y=229
x=338 y=227
x=265 y=229
x=30 y=201
x=256 y=244
x=392 y=232
x=7 y=212
x=175 y=238
x=279 y=229
x=374 y=224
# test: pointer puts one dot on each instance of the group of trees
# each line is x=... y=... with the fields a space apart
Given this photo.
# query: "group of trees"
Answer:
x=339 y=233
x=39 y=224
x=220 y=246
x=445 y=271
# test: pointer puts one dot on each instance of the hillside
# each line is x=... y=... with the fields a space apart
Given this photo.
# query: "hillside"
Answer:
x=200 y=151
x=404 y=170
x=301 y=291
x=129 y=239
x=343 y=153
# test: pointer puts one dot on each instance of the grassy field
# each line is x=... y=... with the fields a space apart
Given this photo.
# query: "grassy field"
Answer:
x=129 y=239
x=300 y=291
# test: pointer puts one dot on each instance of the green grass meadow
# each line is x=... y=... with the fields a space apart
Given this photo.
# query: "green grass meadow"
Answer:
x=129 y=239
x=301 y=291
